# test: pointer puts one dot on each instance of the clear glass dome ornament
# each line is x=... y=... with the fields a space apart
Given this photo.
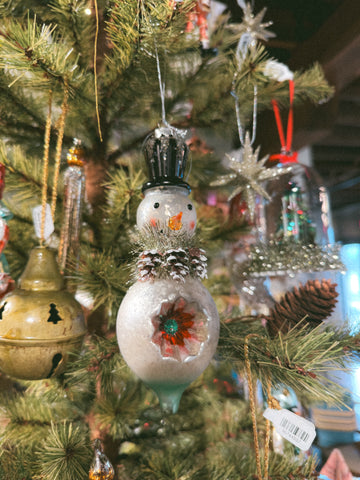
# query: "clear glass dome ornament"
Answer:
x=297 y=234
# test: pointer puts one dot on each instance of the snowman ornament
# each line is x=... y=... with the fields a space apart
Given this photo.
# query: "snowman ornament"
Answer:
x=168 y=324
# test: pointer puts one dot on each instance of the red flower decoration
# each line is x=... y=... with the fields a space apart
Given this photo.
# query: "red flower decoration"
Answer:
x=180 y=329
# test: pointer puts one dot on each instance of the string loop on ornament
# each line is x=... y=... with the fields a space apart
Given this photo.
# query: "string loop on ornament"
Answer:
x=95 y=69
x=286 y=155
x=45 y=169
x=61 y=128
x=161 y=87
x=253 y=411
x=241 y=131
x=252 y=402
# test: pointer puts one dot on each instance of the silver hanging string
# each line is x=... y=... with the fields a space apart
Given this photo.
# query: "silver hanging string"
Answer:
x=238 y=119
x=162 y=88
x=242 y=48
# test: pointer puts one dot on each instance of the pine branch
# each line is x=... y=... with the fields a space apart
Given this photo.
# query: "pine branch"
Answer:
x=30 y=418
x=124 y=195
x=65 y=454
x=39 y=52
x=23 y=171
x=298 y=359
x=98 y=365
x=103 y=276
x=15 y=463
x=75 y=25
x=117 y=414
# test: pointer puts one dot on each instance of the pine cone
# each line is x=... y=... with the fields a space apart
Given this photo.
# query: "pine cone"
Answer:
x=198 y=262
x=315 y=300
x=147 y=264
x=177 y=263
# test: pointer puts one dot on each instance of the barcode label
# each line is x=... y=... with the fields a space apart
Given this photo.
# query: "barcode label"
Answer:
x=297 y=430
x=294 y=429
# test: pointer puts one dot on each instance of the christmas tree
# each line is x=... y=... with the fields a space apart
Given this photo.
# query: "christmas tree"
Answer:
x=92 y=70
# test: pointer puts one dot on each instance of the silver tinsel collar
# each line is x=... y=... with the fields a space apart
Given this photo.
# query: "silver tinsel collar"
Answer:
x=289 y=258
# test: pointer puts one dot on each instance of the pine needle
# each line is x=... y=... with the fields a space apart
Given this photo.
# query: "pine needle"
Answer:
x=65 y=454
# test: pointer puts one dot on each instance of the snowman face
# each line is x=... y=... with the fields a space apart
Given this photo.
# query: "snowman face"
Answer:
x=167 y=206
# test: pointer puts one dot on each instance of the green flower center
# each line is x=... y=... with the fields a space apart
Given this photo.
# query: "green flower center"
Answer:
x=171 y=326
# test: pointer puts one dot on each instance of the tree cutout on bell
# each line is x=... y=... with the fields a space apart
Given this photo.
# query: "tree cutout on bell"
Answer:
x=54 y=314
x=2 y=308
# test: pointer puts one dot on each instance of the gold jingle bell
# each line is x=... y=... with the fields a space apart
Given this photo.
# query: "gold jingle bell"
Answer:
x=40 y=322
x=101 y=468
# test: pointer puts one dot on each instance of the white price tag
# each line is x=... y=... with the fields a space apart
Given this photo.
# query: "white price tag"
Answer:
x=297 y=430
x=49 y=224
x=3 y=226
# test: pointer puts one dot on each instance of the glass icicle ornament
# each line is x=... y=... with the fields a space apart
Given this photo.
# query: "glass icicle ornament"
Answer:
x=40 y=323
x=74 y=191
x=167 y=324
x=101 y=468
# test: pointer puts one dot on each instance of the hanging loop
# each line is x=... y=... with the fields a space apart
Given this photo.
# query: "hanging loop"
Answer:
x=286 y=155
x=238 y=118
x=161 y=87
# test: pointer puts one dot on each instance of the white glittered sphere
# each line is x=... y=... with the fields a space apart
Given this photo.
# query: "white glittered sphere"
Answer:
x=168 y=333
x=167 y=206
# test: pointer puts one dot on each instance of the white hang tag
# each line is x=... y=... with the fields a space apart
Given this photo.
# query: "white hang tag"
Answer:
x=84 y=298
x=49 y=224
x=297 y=430
x=3 y=226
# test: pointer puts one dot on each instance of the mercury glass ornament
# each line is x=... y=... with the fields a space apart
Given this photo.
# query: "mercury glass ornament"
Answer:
x=101 y=468
x=167 y=328
x=74 y=192
x=40 y=323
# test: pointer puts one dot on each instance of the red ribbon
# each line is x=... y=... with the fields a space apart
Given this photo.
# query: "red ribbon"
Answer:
x=286 y=155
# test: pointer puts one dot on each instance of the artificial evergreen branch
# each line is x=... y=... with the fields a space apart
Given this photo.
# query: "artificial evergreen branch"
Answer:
x=29 y=418
x=299 y=358
x=76 y=26
x=38 y=51
x=65 y=454
x=103 y=276
x=22 y=170
x=97 y=366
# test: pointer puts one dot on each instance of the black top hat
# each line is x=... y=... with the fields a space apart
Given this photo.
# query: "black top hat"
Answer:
x=166 y=155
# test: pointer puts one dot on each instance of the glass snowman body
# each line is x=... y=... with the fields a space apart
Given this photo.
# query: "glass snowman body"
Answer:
x=167 y=329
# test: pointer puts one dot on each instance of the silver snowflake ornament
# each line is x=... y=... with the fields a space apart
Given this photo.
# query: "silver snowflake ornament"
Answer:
x=248 y=174
x=252 y=27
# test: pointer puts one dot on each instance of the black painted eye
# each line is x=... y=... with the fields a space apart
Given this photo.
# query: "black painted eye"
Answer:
x=190 y=207
x=156 y=205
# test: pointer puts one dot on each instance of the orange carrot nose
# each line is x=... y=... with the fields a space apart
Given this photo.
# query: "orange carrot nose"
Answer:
x=175 y=222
